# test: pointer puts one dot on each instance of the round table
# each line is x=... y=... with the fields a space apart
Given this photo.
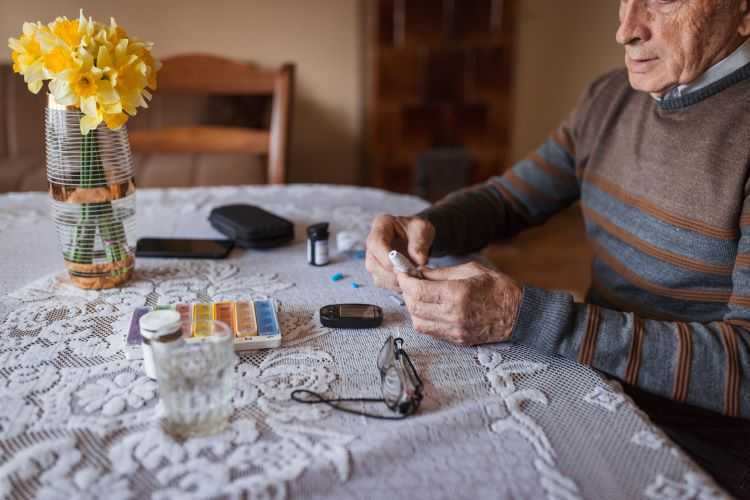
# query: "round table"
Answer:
x=79 y=420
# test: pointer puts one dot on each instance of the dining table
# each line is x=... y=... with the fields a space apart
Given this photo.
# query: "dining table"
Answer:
x=78 y=419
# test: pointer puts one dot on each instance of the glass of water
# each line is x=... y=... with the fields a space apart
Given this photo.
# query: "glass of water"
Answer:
x=196 y=380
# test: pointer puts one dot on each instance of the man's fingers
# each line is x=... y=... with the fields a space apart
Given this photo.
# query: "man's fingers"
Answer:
x=387 y=281
x=374 y=263
x=380 y=239
x=418 y=290
x=453 y=273
x=420 y=235
x=381 y=277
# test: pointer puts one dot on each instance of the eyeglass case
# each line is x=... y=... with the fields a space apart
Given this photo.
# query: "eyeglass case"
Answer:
x=251 y=227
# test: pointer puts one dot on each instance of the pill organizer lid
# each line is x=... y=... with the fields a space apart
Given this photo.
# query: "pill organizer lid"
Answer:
x=157 y=323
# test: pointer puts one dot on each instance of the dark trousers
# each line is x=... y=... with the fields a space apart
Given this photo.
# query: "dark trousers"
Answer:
x=719 y=444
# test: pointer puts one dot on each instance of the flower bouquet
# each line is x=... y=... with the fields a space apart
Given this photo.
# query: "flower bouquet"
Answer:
x=97 y=74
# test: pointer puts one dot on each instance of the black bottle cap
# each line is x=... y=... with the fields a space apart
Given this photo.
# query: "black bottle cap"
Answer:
x=318 y=231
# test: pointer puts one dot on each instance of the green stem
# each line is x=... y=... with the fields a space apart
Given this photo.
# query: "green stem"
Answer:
x=93 y=215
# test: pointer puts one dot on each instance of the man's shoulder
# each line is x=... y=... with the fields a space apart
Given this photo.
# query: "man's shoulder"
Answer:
x=610 y=83
x=600 y=97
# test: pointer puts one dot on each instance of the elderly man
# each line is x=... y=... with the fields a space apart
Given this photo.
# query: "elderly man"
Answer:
x=659 y=156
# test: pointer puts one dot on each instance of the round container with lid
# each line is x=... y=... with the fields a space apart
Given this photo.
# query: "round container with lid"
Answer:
x=158 y=326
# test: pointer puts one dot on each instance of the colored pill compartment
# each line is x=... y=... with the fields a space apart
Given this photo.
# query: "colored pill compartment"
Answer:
x=134 y=339
x=244 y=322
x=224 y=312
x=185 y=311
x=265 y=314
x=255 y=324
x=201 y=313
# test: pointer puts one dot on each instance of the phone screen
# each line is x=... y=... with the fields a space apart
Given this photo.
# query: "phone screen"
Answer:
x=183 y=248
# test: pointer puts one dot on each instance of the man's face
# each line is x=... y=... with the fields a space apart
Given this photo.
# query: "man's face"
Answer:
x=671 y=42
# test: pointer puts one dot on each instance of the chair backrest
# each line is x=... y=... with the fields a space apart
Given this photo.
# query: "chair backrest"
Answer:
x=214 y=75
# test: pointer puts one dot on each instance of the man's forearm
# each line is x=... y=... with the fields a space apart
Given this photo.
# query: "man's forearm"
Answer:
x=529 y=193
x=469 y=220
x=706 y=365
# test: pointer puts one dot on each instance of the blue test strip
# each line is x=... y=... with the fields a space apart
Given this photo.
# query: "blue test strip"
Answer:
x=265 y=315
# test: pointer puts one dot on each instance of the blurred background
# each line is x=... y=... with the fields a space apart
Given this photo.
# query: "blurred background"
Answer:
x=417 y=96
x=553 y=49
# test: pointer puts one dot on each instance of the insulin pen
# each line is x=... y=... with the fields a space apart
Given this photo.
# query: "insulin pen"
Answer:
x=403 y=265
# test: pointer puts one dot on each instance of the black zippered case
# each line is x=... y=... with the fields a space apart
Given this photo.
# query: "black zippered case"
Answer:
x=251 y=227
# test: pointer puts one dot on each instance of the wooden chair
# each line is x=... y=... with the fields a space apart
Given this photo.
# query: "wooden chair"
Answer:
x=214 y=75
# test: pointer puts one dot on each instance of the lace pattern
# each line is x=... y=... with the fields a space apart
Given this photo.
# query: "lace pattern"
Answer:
x=78 y=420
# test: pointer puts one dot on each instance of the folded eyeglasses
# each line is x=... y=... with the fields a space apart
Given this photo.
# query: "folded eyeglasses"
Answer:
x=400 y=385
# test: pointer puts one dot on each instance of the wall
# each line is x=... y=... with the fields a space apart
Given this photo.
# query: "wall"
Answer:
x=321 y=36
x=561 y=45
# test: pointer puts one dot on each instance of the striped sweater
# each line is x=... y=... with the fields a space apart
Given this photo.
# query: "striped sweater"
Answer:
x=665 y=195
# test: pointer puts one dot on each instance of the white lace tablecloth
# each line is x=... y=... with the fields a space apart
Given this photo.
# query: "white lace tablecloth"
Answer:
x=78 y=420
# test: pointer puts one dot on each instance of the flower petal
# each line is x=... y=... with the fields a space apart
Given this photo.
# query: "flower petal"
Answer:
x=105 y=92
x=89 y=123
x=88 y=106
x=115 y=121
x=35 y=87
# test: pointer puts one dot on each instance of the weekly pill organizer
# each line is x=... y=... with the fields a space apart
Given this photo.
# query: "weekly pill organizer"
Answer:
x=255 y=324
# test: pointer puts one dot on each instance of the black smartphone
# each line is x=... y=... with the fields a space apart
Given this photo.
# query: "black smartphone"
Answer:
x=177 y=248
x=351 y=316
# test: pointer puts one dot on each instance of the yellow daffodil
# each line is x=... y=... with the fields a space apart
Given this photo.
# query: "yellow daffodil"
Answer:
x=27 y=56
x=67 y=31
x=115 y=121
x=58 y=60
x=95 y=67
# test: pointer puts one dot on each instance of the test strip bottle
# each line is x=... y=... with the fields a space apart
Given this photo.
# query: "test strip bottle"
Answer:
x=317 y=244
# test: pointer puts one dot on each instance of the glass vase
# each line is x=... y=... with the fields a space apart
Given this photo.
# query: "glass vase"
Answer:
x=92 y=189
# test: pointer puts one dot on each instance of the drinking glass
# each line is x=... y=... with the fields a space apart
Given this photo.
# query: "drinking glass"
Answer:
x=196 y=380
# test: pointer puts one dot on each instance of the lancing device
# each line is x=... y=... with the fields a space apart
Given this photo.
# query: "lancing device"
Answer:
x=403 y=265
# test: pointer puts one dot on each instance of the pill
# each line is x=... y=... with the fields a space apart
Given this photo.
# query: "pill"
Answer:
x=355 y=285
x=337 y=277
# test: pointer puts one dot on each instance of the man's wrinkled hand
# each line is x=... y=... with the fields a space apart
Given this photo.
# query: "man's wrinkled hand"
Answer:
x=467 y=304
x=412 y=236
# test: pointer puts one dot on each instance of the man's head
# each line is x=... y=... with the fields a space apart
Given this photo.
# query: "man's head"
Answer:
x=672 y=42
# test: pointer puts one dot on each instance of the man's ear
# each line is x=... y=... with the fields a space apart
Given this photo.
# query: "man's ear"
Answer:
x=744 y=28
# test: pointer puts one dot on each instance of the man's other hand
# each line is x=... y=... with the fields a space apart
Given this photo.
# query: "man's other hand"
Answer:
x=467 y=304
x=412 y=236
